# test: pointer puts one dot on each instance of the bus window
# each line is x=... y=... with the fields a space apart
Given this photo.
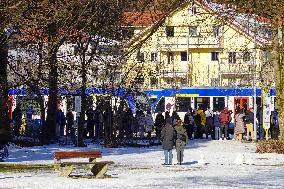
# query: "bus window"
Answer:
x=218 y=103
x=161 y=105
x=201 y=102
x=183 y=104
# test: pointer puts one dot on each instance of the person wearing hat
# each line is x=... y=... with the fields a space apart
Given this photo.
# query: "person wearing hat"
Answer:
x=181 y=140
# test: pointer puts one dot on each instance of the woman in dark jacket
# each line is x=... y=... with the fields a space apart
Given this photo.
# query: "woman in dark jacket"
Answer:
x=167 y=138
x=159 y=124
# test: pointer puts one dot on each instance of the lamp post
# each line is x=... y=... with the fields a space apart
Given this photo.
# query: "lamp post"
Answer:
x=254 y=84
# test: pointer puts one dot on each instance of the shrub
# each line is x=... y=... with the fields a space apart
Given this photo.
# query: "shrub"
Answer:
x=270 y=146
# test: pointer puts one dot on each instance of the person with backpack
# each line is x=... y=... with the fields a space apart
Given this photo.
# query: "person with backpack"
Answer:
x=189 y=123
x=181 y=140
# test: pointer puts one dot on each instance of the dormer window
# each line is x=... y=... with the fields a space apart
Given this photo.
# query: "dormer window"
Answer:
x=193 y=10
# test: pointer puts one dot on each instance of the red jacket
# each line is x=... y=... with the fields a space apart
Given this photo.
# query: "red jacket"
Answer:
x=225 y=117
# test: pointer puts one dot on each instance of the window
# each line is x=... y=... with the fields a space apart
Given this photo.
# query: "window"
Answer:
x=216 y=31
x=170 y=31
x=246 y=56
x=153 y=81
x=140 y=56
x=183 y=104
x=214 y=82
x=154 y=57
x=170 y=57
x=193 y=31
x=214 y=56
x=183 y=56
x=232 y=57
x=193 y=10
x=218 y=103
x=201 y=102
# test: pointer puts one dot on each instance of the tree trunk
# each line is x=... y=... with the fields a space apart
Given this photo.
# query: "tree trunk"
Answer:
x=279 y=70
x=4 y=111
x=83 y=105
x=52 y=99
x=280 y=88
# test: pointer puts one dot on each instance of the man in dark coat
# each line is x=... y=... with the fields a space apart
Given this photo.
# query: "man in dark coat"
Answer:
x=90 y=122
x=17 y=118
x=189 y=123
x=159 y=124
x=167 y=138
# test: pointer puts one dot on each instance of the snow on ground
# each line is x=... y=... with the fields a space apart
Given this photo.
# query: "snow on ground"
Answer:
x=142 y=168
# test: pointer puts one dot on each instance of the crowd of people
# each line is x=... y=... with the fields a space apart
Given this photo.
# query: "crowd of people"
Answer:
x=198 y=124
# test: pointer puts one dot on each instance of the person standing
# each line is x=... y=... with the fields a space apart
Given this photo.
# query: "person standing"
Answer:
x=201 y=121
x=181 y=140
x=167 y=138
x=240 y=125
x=149 y=124
x=249 y=124
x=217 y=125
x=225 y=119
x=175 y=117
x=99 y=121
x=189 y=123
x=90 y=122
x=17 y=118
x=209 y=129
x=70 y=122
x=274 y=125
x=159 y=124
x=128 y=121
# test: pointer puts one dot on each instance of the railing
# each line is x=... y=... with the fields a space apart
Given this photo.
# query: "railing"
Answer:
x=189 y=42
x=243 y=68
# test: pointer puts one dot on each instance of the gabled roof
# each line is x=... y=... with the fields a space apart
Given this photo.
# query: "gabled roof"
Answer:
x=246 y=24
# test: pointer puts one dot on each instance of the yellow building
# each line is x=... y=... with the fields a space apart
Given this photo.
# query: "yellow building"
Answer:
x=201 y=44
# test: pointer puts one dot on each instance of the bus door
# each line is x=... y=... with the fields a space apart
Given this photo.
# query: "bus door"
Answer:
x=241 y=103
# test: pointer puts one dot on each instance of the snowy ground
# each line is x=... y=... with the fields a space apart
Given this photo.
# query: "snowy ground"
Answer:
x=142 y=168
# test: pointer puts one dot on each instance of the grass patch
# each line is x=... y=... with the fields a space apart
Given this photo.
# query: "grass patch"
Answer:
x=24 y=167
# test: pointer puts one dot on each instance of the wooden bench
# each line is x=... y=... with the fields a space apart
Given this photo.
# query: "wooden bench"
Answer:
x=64 y=168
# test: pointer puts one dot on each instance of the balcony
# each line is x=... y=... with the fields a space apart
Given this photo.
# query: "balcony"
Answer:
x=242 y=68
x=175 y=73
x=183 y=42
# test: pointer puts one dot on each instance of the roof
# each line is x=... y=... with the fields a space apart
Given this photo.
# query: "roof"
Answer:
x=141 y=19
x=248 y=24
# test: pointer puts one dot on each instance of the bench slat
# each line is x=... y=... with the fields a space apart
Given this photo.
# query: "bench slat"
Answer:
x=67 y=155
x=86 y=163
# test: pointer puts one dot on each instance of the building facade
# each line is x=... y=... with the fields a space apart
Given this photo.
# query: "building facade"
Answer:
x=203 y=44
